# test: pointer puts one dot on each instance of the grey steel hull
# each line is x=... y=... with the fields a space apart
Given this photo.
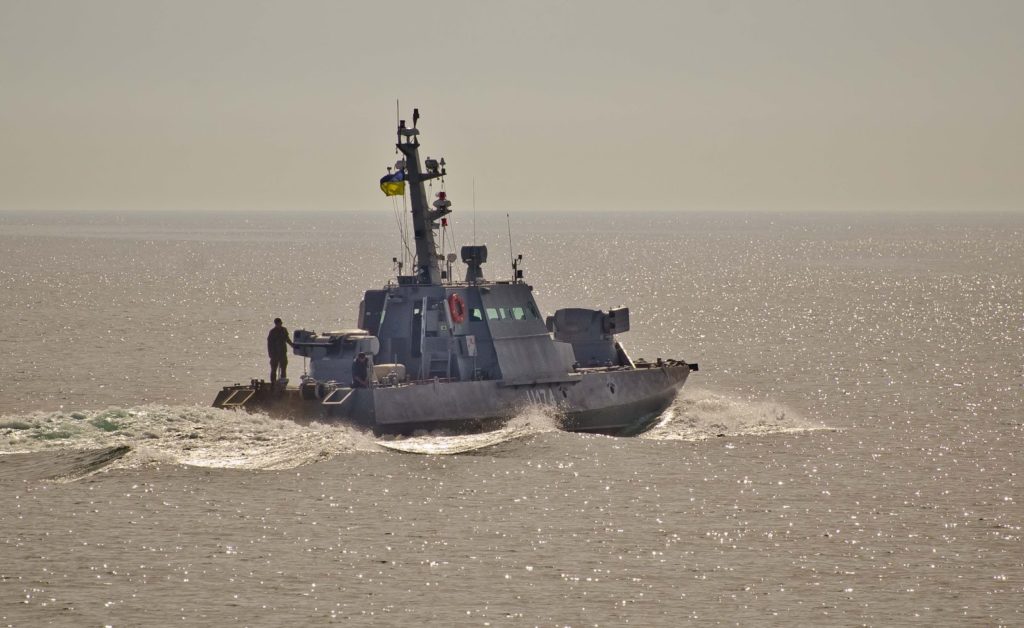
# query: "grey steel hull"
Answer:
x=607 y=401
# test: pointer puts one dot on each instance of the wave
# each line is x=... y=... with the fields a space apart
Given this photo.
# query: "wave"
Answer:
x=698 y=414
x=80 y=443
x=530 y=421
x=189 y=435
x=61 y=465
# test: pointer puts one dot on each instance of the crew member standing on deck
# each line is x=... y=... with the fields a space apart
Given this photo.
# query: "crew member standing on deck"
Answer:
x=361 y=371
x=277 y=348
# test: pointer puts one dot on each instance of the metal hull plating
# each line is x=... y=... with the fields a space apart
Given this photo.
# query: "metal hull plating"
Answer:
x=611 y=402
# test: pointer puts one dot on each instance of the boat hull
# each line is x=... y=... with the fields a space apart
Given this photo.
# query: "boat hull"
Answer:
x=612 y=401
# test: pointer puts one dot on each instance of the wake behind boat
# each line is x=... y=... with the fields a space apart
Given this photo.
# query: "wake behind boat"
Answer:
x=433 y=352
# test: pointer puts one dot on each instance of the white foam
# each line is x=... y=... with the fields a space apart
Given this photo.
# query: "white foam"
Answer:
x=531 y=420
x=191 y=435
x=697 y=414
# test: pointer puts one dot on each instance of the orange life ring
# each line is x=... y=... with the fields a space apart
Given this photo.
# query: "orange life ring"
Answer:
x=457 y=307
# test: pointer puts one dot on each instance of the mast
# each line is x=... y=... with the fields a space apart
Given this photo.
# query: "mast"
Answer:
x=424 y=219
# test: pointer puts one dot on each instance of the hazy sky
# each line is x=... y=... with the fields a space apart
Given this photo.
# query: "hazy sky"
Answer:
x=141 y=105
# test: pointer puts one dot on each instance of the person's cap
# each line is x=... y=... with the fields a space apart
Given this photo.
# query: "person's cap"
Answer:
x=277 y=321
x=362 y=355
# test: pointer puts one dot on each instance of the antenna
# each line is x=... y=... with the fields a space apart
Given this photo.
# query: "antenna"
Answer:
x=511 y=258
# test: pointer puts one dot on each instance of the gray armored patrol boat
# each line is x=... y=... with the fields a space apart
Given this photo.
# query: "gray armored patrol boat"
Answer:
x=465 y=354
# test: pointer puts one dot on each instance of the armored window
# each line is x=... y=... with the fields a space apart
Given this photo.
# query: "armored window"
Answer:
x=506 y=314
x=476 y=315
x=492 y=314
x=533 y=310
x=519 y=314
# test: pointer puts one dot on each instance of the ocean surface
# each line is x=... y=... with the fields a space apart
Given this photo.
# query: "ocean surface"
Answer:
x=848 y=454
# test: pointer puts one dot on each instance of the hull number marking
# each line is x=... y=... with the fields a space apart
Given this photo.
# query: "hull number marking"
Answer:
x=541 y=396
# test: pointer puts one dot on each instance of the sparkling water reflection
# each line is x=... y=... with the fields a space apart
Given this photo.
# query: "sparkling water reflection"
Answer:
x=848 y=453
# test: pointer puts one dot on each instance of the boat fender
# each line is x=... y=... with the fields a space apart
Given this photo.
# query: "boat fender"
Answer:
x=457 y=307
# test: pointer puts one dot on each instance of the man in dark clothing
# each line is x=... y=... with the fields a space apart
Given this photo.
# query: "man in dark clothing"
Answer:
x=361 y=371
x=277 y=349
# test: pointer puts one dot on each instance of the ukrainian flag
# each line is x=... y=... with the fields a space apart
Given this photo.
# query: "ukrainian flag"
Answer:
x=393 y=184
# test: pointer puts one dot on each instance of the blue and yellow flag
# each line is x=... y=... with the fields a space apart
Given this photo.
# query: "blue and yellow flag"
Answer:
x=393 y=184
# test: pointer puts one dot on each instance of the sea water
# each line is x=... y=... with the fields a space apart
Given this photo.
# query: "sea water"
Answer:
x=848 y=452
